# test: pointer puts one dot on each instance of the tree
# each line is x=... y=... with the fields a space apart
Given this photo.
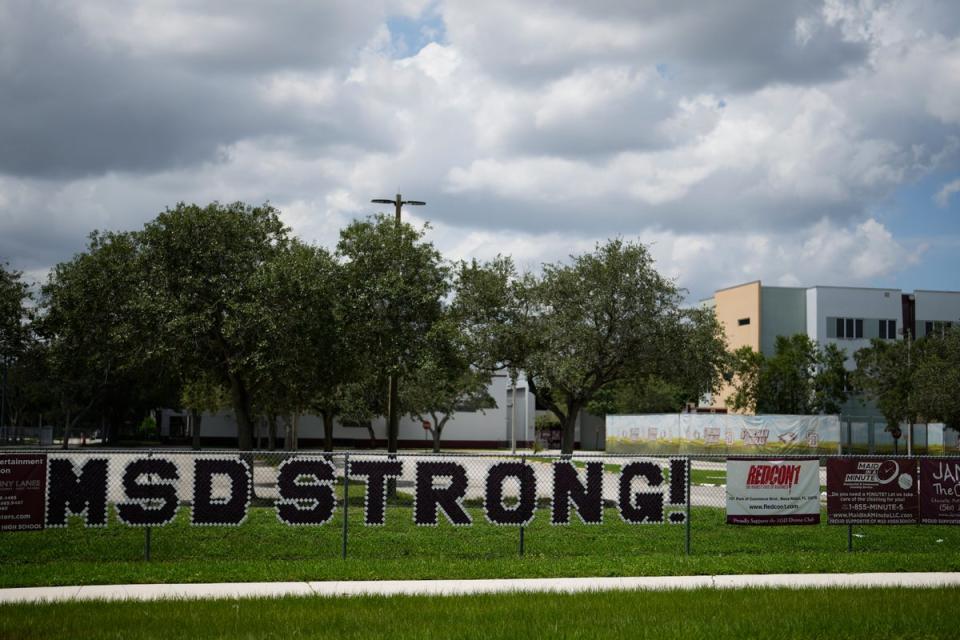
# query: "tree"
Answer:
x=296 y=325
x=14 y=332
x=583 y=326
x=14 y=294
x=200 y=265
x=692 y=367
x=97 y=334
x=747 y=367
x=885 y=372
x=936 y=378
x=198 y=396
x=831 y=385
x=446 y=380
x=800 y=378
x=393 y=284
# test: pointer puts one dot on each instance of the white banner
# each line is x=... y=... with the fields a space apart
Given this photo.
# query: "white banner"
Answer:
x=722 y=433
x=773 y=492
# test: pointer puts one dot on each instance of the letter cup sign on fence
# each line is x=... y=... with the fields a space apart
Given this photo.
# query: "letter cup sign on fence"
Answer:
x=146 y=491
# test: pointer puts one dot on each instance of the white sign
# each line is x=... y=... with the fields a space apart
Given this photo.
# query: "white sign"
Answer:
x=773 y=492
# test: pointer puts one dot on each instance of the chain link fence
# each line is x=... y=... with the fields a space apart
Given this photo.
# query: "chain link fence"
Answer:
x=182 y=505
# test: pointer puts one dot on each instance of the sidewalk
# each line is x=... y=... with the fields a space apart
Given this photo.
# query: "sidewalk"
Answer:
x=463 y=587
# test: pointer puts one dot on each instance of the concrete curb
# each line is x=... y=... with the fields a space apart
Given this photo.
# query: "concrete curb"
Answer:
x=231 y=590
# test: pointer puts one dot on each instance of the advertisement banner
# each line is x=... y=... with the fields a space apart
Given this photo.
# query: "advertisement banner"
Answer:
x=722 y=434
x=23 y=479
x=940 y=491
x=872 y=491
x=773 y=492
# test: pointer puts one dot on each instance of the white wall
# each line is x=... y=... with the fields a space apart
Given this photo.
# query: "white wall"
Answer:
x=489 y=426
x=812 y=328
x=937 y=305
x=849 y=302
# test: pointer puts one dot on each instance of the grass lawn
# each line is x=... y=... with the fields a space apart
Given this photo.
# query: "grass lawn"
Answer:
x=713 y=614
x=263 y=549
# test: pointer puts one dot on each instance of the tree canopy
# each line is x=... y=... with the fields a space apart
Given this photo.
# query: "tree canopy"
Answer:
x=801 y=377
x=913 y=380
x=605 y=318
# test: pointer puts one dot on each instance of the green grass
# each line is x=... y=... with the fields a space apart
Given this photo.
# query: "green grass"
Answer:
x=263 y=549
x=699 y=476
x=708 y=476
x=713 y=614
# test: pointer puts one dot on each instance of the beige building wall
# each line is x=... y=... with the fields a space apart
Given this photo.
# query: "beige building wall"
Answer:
x=738 y=310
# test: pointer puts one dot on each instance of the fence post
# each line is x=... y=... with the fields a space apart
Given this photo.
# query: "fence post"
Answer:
x=523 y=459
x=146 y=532
x=689 y=483
x=346 y=504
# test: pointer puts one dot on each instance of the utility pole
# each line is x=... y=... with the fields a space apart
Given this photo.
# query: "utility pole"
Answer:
x=393 y=408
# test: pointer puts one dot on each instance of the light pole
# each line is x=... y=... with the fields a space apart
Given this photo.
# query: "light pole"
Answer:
x=393 y=409
x=908 y=336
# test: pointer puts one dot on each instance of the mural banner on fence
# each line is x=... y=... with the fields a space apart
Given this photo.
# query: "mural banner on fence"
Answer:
x=147 y=491
x=940 y=491
x=761 y=491
x=872 y=490
x=722 y=433
x=22 y=491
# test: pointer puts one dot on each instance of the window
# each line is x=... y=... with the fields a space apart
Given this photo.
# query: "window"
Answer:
x=888 y=329
x=743 y=321
x=850 y=328
x=938 y=327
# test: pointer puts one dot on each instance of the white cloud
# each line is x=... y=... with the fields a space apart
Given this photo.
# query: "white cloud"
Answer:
x=534 y=129
x=946 y=192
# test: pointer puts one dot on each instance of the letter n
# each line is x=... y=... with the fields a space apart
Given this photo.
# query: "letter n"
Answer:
x=567 y=488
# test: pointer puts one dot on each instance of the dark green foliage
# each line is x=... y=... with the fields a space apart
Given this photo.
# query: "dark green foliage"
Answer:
x=608 y=318
x=913 y=380
x=800 y=378
x=201 y=267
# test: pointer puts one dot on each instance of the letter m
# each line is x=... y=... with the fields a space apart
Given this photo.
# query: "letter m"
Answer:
x=70 y=493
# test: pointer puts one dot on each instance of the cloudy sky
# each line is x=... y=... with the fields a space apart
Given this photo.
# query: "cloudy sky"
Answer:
x=793 y=142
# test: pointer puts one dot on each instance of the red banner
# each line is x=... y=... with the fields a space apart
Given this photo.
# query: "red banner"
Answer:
x=940 y=491
x=23 y=479
x=872 y=491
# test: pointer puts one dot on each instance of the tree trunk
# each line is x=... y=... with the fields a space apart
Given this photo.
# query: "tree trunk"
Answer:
x=66 y=431
x=327 y=430
x=296 y=431
x=568 y=429
x=272 y=432
x=241 y=408
x=437 y=431
x=288 y=433
x=393 y=416
x=195 y=423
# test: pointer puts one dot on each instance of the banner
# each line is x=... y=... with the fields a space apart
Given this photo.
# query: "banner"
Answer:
x=773 y=492
x=940 y=491
x=722 y=433
x=22 y=491
x=147 y=491
x=872 y=491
